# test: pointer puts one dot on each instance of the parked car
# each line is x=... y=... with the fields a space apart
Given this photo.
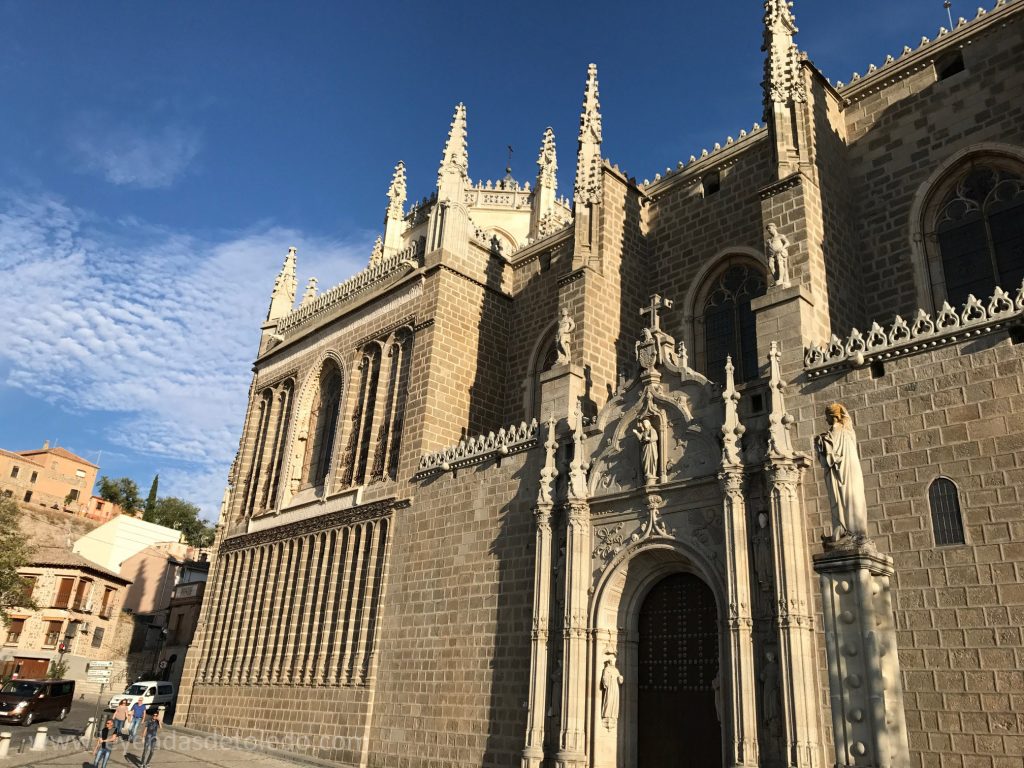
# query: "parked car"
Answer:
x=25 y=701
x=154 y=693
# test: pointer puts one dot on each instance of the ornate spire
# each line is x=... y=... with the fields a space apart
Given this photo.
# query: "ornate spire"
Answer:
x=547 y=162
x=397 y=193
x=782 y=80
x=283 y=297
x=377 y=254
x=780 y=442
x=455 y=161
x=310 y=292
x=588 y=159
x=732 y=429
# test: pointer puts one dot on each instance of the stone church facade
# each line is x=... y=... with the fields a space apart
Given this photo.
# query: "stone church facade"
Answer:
x=720 y=469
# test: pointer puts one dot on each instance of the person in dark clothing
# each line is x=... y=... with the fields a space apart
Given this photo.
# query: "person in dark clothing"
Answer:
x=151 y=728
x=108 y=735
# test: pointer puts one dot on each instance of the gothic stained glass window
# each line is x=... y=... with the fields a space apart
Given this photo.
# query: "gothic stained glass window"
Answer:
x=980 y=234
x=729 y=323
x=324 y=425
x=947 y=523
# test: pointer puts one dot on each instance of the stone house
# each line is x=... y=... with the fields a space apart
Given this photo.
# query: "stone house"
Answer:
x=78 y=607
x=540 y=485
x=50 y=477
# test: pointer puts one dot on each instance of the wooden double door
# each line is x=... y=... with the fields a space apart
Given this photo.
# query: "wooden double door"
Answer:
x=677 y=703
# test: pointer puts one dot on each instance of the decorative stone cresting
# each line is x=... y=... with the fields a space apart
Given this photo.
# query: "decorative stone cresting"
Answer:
x=893 y=63
x=374 y=274
x=920 y=335
x=743 y=136
x=475 y=450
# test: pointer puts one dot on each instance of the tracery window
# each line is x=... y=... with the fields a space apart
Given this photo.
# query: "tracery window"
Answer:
x=947 y=522
x=726 y=325
x=976 y=238
x=323 y=427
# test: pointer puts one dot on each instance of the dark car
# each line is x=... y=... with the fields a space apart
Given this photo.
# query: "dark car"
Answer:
x=25 y=701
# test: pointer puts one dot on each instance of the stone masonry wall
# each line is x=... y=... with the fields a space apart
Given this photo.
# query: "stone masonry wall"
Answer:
x=901 y=134
x=957 y=413
x=455 y=632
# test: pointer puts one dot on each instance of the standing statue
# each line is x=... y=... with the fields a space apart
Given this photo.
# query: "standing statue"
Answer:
x=763 y=565
x=611 y=679
x=563 y=338
x=777 y=248
x=770 y=706
x=648 y=437
x=837 y=452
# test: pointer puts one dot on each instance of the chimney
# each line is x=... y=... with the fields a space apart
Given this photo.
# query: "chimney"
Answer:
x=46 y=444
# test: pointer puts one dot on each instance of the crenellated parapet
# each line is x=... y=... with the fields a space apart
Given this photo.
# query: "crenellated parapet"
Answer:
x=506 y=441
x=913 y=59
x=373 y=275
x=923 y=333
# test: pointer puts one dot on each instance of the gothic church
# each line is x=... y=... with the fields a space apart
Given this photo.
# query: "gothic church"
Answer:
x=724 y=468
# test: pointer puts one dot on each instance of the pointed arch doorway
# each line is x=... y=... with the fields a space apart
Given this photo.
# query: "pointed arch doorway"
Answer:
x=678 y=657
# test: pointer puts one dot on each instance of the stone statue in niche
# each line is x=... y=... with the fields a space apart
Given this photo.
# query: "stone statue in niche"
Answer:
x=563 y=338
x=763 y=565
x=770 y=705
x=716 y=687
x=611 y=679
x=648 y=437
x=777 y=248
x=837 y=452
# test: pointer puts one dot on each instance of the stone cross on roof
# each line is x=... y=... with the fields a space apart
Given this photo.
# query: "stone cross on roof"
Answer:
x=657 y=303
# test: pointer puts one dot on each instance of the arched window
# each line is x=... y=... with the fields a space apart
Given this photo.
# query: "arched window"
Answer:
x=974 y=232
x=726 y=325
x=947 y=523
x=323 y=427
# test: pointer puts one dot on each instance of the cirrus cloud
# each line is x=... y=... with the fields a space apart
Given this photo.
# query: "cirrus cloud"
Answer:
x=151 y=330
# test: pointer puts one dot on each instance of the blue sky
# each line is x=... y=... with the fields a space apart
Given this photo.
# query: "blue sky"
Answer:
x=158 y=159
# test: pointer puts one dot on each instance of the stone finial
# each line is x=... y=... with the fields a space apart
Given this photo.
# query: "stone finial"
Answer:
x=782 y=80
x=588 y=159
x=310 y=293
x=397 y=193
x=732 y=429
x=578 y=467
x=547 y=162
x=282 y=298
x=455 y=161
x=377 y=255
x=780 y=442
x=546 y=490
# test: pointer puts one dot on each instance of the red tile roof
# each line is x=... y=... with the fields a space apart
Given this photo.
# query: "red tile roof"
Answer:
x=59 y=451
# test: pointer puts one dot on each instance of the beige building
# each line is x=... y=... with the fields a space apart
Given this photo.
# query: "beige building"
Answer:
x=50 y=477
x=541 y=485
x=78 y=606
x=123 y=537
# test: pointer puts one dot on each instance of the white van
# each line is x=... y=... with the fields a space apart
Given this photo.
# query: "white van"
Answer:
x=154 y=693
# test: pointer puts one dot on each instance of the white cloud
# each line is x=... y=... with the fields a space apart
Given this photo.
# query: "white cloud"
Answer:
x=149 y=158
x=154 y=327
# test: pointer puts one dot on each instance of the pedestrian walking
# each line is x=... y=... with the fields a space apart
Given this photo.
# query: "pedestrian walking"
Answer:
x=149 y=738
x=119 y=716
x=138 y=715
x=101 y=754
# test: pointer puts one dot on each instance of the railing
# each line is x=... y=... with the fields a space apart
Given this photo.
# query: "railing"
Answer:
x=105 y=612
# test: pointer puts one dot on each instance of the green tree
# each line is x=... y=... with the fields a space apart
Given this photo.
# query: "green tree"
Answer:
x=183 y=516
x=151 y=499
x=57 y=670
x=14 y=554
x=121 y=491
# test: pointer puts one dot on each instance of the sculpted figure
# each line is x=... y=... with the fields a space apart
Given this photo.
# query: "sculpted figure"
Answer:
x=837 y=452
x=777 y=248
x=611 y=679
x=563 y=338
x=763 y=565
x=770 y=693
x=648 y=437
